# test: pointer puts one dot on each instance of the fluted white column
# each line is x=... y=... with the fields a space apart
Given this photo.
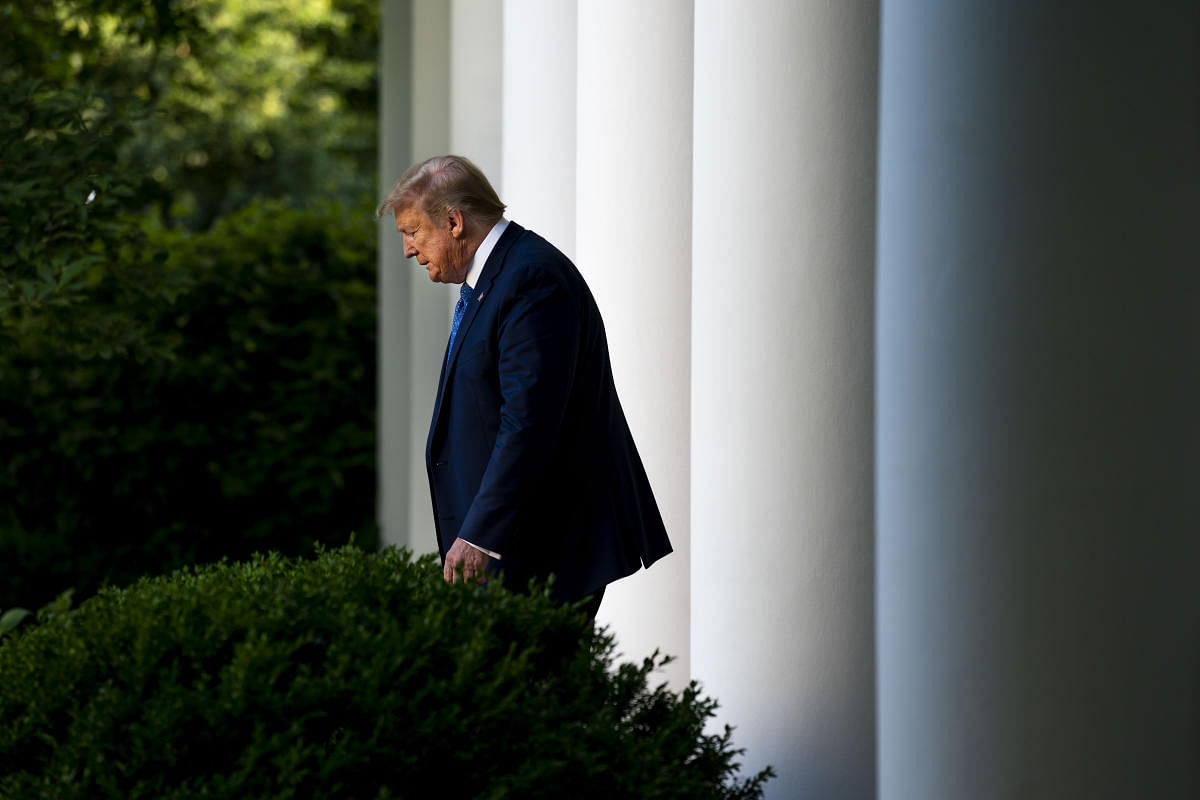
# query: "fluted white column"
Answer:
x=634 y=248
x=1039 y=380
x=538 y=141
x=414 y=124
x=782 y=496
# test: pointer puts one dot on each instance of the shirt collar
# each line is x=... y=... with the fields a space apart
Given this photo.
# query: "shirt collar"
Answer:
x=485 y=249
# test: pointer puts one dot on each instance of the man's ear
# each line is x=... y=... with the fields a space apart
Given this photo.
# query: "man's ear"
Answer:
x=457 y=223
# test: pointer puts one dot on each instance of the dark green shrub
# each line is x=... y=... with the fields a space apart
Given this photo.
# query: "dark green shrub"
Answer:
x=351 y=676
x=254 y=430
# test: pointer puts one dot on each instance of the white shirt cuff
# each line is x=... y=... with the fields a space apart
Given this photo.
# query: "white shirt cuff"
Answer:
x=484 y=550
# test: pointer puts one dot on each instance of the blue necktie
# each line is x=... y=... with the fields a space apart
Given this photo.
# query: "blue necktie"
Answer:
x=464 y=297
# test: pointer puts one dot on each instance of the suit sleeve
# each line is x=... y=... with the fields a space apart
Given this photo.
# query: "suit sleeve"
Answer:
x=537 y=349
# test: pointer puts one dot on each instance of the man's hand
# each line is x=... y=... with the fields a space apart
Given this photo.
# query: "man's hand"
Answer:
x=470 y=561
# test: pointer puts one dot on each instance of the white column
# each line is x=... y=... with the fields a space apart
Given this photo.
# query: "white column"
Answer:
x=429 y=319
x=476 y=84
x=1039 y=380
x=395 y=147
x=414 y=124
x=538 y=152
x=476 y=37
x=431 y=42
x=634 y=248
x=782 y=495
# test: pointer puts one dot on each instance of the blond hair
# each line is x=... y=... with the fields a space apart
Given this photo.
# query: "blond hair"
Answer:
x=441 y=183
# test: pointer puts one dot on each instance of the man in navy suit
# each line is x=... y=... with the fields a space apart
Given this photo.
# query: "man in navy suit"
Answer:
x=532 y=468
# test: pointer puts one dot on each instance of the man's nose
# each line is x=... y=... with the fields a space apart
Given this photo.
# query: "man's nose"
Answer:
x=409 y=250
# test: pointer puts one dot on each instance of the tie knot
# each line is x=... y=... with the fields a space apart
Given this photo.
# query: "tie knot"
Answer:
x=465 y=292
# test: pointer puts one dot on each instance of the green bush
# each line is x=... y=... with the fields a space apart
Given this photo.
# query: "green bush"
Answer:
x=352 y=675
x=254 y=429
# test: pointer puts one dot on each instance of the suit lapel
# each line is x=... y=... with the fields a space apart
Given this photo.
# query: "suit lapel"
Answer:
x=488 y=275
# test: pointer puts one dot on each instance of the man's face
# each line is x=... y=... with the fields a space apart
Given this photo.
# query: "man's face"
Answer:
x=440 y=248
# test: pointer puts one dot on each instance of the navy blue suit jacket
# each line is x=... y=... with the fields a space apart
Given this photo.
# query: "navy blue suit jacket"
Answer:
x=529 y=454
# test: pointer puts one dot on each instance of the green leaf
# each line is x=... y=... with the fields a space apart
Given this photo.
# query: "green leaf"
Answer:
x=11 y=619
x=70 y=271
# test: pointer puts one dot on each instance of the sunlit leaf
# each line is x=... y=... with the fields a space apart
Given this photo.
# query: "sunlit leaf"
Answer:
x=11 y=619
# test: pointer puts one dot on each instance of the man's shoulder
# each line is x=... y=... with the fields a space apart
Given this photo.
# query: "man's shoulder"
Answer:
x=531 y=257
x=531 y=244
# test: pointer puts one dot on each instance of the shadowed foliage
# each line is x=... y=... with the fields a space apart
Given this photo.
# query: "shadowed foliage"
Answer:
x=351 y=675
x=256 y=433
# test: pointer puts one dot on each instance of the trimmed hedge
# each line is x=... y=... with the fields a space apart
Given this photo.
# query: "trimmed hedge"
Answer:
x=352 y=675
x=254 y=430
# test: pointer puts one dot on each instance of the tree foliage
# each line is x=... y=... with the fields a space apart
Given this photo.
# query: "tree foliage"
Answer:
x=272 y=98
x=72 y=258
x=250 y=98
x=110 y=108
